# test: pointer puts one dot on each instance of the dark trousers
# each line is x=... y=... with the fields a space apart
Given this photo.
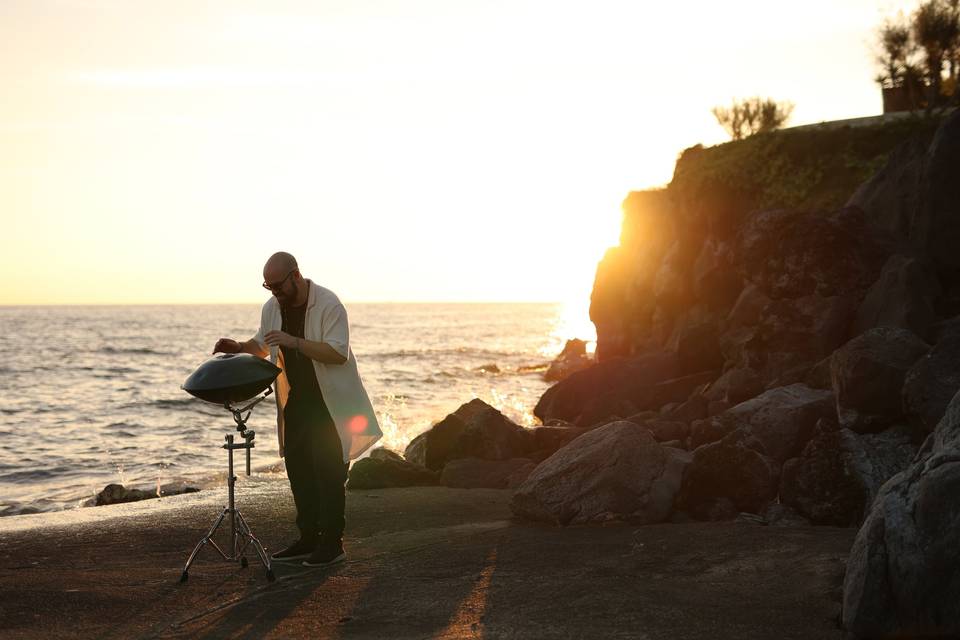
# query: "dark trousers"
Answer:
x=314 y=460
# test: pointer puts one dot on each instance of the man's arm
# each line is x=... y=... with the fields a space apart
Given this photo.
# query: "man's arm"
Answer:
x=319 y=351
x=251 y=346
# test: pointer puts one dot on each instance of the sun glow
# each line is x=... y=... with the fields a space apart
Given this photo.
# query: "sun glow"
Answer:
x=388 y=145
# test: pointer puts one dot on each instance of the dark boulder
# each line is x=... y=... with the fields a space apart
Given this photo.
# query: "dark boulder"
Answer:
x=936 y=229
x=733 y=472
x=382 y=453
x=475 y=473
x=868 y=374
x=903 y=296
x=735 y=386
x=903 y=573
x=932 y=381
x=839 y=473
x=548 y=439
x=890 y=198
x=618 y=386
x=474 y=430
x=384 y=472
x=791 y=334
x=694 y=408
x=793 y=254
x=615 y=472
x=782 y=419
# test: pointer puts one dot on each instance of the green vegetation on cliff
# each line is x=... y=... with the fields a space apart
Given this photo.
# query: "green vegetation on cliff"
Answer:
x=810 y=168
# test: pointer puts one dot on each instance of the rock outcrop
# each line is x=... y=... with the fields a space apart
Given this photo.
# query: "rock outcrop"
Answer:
x=839 y=473
x=868 y=374
x=617 y=471
x=902 y=574
x=474 y=430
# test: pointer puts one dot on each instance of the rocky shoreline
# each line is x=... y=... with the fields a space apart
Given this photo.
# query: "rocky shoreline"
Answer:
x=789 y=365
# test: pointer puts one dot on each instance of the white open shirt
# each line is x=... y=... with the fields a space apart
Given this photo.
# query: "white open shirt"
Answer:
x=340 y=384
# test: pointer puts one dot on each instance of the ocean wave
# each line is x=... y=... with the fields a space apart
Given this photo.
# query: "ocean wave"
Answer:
x=132 y=351
x=32 y=475
x=449 y=351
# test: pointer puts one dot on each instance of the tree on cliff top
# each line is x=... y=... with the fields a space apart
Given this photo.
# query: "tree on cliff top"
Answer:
x=914 y=52
x=752 y=115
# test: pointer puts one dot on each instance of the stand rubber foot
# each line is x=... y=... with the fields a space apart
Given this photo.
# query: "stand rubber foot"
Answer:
x=243 y=562
x=183 y=577
x=270 y=576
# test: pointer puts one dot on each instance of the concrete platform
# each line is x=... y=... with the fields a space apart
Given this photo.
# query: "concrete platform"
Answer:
x=422 y=563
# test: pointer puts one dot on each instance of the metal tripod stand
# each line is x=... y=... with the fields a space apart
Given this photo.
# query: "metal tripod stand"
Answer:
x=240 y=535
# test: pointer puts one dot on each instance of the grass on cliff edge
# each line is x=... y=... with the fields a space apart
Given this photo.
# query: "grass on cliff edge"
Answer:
x=816 y=168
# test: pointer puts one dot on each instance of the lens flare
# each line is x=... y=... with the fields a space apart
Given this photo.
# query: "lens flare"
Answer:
x=357 y=424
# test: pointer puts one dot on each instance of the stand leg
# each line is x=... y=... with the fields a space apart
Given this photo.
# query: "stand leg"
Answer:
x=257 y=546
x=203 y=541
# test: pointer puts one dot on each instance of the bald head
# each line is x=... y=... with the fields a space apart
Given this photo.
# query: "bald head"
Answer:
x=281 y=262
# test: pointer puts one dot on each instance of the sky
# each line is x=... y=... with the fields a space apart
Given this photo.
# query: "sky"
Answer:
x=402 y=150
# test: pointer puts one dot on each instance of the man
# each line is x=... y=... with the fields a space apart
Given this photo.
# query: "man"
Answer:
x=324 y=416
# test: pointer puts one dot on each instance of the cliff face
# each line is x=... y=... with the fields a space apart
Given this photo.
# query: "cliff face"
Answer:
x=757 y=255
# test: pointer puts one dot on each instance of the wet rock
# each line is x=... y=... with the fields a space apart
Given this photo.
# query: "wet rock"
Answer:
x=931 y=382
x=117 y=493
x=615 y=472
x=474 y=430
x=384 y=472
x=868 y=375
x=573 y=358
x=475 y=473
x=839 y=473
x=727 y=477
x=902 y=573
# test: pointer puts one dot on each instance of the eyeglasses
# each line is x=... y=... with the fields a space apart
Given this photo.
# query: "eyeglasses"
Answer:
x=277 y=286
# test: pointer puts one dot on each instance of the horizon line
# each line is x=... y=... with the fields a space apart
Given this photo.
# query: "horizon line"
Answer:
x=214 y=304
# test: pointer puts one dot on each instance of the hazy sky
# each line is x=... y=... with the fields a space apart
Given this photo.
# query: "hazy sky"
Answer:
x=402 y=150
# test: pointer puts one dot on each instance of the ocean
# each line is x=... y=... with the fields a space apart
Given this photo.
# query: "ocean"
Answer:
x=92 y=393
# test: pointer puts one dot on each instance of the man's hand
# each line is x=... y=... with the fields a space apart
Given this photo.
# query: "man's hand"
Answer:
x=280 y=339
x=226 y=345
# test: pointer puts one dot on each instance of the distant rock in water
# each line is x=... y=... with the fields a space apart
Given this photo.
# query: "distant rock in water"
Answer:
x=488 y=368
x=573 y=358
x=117 y=493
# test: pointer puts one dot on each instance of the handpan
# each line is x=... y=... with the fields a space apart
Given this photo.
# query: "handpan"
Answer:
x=230 y=377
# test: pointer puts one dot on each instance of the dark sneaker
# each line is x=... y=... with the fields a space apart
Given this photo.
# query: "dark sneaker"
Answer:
x=299 y=550
x=326 y=555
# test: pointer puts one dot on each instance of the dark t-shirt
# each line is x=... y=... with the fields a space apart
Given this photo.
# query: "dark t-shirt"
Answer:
x=304 y=389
